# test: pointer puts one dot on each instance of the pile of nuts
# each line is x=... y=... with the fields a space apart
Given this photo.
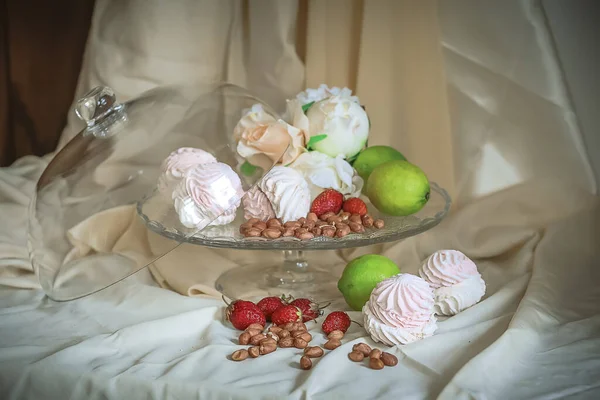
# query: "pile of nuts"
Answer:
x=377 y=358
x=293 y=334
x=329 y=225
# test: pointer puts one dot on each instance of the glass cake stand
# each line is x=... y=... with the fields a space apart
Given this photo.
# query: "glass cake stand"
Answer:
x=293 y=273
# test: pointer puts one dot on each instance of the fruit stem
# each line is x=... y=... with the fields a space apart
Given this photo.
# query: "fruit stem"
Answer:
x=359 y=324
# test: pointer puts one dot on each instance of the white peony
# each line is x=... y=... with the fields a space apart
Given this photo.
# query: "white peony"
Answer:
x=343 y=121
x=323 y=172
x=323 y=92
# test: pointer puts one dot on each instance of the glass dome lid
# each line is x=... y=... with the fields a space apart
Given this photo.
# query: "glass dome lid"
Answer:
x=83 y=233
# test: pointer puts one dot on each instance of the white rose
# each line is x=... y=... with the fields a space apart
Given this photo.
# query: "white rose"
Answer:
x=323 y=92
x=323 y=172
x=345 y=124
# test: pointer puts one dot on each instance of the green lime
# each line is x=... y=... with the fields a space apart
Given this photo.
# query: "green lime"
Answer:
x=361 y=275
x=373 y=156
x=398 y=188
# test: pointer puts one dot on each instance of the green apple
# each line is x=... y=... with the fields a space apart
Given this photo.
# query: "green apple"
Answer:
x=374 y=156
x=398 y=188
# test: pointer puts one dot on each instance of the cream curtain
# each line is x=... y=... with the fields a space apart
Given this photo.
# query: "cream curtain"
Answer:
x=469 y=90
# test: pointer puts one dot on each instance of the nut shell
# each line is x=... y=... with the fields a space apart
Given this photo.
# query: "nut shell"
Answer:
x=239 y=355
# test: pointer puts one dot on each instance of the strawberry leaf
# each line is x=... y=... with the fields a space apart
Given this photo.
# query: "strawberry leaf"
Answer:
x=307 y=106
x=314 y=139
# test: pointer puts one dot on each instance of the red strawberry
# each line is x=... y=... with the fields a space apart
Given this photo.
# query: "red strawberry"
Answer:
x=336 y=321
x=270 y=304
x=354 y=205
x=329 y=200
x=310 y=310
x=242 y=313
x=286 y=314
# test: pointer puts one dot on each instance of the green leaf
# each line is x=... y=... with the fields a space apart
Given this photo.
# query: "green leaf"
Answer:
x=353 y=158
x=307 y=106
x=248 y=169
x=314 y=139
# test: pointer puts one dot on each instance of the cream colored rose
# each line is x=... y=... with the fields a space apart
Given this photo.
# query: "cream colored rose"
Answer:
x=264 y=140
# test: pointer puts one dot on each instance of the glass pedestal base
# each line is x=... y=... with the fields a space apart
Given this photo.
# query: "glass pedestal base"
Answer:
x=292 y=276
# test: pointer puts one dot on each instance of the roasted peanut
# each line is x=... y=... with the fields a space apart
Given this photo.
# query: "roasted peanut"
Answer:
x=300 y=343
x=274 y=336
x=244 y=338
x=284 y=334
x=302 y=220
x=316 y=231
x=378 y=223
x=289 y=326
x=244 y=227
x=344 y=216
x=275 y=329
x=267 y=348
x=260 y=225
x=356 y=218
x=305 y=336
x=354 y=227
x=254 y=326
x=332 y=344
x=327 y=215
x=239 y=355
x=300 y=231
x=254 y=351
x=308 y=225
x=252 y=221
x=271 y=233
x=356 y=356
x=299 y=326
x=388 y=359
x=363 y=348
x=305 y=236
x=313 y=352
x=286 y=342
x=288 y=232
x=375 y=353
x=338 y=335
x=292 y=224
x=367 y=221
x=320 y=223
x=312 y=217
x=252 y=232
x=305 y=363
x=268 y=341
x=273 y=223
x=375 y=363
x=256 y=339
x=254 y=332
x=334 y=220
x=328 y=231
x=341 y=232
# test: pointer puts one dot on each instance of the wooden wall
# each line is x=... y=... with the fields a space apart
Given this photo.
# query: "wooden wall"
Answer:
x=41 y=49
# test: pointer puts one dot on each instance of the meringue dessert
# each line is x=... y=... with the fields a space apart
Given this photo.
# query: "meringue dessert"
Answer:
x=455 y=280
x=287 y=191
x=257 y=205
x=400 y=310
x=208 y=194
x=178 y=163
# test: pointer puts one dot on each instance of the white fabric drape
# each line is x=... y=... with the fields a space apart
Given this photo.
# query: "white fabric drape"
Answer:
x=470 y=90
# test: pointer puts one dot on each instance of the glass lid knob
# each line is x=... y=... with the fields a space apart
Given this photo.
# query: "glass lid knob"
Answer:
x=95 y=106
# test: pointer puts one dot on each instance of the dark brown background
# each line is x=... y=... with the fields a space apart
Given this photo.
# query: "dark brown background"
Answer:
x=41 y=49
